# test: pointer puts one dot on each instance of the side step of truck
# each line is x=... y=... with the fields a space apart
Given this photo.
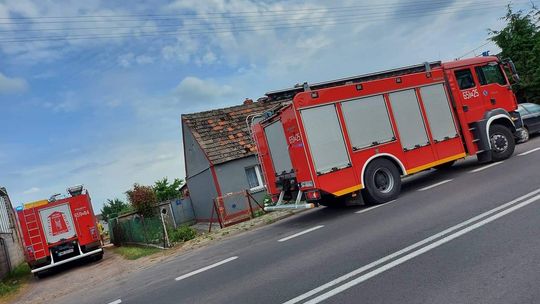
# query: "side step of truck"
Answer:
x=298 y=204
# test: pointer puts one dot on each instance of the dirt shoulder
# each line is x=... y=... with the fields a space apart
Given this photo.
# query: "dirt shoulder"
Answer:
x=82 y=275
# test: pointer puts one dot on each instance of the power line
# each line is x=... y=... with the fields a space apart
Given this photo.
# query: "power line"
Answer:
x=260 y=26
x=258 y=21
x=288 y=10
x=475 y=49
x=220 y=15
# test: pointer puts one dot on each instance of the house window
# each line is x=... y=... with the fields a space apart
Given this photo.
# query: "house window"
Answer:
x=254 y=178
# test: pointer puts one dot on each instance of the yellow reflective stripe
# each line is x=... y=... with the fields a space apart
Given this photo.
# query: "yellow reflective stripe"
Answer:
x=348 y=190
x=436 y=163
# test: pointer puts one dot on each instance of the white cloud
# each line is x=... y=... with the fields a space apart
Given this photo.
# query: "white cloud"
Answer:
x=126 y=60
x=69 y=102
x=207 y=59
x=12 y=85
x=182 y=50
x=144 y=59
x=130 y=59
x=40 y=49
x=195 y=90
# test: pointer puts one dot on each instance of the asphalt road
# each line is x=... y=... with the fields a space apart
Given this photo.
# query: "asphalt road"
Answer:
x=466 y=235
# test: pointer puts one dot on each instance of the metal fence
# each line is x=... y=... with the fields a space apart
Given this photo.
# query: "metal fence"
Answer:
x=234 y=208
x=182 y=210
x=136 y=229
x=5 y=223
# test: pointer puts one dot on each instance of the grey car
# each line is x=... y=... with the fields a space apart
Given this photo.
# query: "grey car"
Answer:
x=530 y=113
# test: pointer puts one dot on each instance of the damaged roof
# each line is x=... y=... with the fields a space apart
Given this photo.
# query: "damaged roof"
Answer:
x=223 y=133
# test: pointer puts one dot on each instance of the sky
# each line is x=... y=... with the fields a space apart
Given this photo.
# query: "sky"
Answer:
x=91 y=92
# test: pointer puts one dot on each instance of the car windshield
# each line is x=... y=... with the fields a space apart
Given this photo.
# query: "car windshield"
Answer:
x=522 y=110
x=532 y=107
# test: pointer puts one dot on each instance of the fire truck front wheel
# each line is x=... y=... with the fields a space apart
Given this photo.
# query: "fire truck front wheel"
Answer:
x=502 y=142
x=382 y=181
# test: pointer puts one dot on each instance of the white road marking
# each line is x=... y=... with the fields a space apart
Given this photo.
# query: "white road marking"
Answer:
x=407 y=249
x=116 y=302
x=485 y=167
x=530 y=151
x=187 y=275
x=420 y=251
x=300 y=233
x=435 y=185
x=375 y=207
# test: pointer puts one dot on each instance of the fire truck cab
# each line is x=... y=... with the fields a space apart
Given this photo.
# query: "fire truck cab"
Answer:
x=362 y=134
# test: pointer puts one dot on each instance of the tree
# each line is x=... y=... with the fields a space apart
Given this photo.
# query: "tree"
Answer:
x=165 y=191
x=143 y=199
x=113 y=208
x=519 y=40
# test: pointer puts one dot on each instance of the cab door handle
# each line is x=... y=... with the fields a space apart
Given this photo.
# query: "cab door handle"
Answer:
x=493 y=101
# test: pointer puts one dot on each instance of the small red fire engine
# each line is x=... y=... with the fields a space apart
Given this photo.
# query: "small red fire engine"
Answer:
x=59 y=230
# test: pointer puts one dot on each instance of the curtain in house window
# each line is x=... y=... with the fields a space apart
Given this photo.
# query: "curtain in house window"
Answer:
x=252 y=178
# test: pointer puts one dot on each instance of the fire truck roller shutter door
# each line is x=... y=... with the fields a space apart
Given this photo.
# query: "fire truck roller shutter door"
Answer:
x=279 y=150
x=325 y=138
x=438 y=112
x=411 y=128
x=367 y=121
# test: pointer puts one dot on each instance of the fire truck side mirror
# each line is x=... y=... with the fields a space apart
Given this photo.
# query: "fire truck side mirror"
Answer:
x=512 y=67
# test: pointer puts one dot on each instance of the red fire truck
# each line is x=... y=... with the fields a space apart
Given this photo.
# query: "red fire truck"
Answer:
x=362 y=134
x=59 y=230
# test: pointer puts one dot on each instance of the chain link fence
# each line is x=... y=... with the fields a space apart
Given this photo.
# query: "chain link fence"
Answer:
x=136 y=229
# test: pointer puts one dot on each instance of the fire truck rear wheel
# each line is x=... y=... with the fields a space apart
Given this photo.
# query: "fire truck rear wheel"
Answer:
x=502 y=142
x=382 y=181
x=40 y=274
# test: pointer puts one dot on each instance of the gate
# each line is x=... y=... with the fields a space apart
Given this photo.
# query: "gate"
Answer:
x=234 y=208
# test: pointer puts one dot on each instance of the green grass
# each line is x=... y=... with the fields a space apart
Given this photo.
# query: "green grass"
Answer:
x=135 y=252
x=14 y=280
x=183 y=233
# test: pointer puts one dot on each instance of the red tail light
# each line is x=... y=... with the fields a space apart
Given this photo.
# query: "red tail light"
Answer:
x=30 y=251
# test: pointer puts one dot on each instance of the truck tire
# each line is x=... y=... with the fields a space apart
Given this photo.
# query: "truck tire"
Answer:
x=502 y=142
x=382 y=182
x=524 y=135
x=98 y=257
x=40 y=274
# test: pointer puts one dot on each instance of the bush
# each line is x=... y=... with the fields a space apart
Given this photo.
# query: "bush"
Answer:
x=182 y=234
x=14 y=279
x=143 y=199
